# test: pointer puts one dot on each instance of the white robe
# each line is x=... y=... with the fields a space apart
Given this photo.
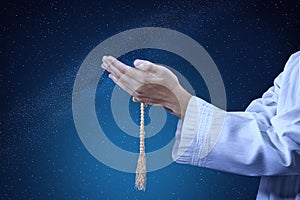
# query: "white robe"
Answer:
x=262 y=141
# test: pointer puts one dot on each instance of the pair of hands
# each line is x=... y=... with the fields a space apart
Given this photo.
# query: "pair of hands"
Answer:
x=149 y=83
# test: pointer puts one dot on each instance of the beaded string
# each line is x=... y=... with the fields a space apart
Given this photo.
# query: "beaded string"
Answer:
x=140 y=178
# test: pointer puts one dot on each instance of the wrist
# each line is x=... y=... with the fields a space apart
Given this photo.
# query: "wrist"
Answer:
x=179 y=101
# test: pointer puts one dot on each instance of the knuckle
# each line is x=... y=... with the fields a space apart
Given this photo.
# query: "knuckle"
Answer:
x=148 y=65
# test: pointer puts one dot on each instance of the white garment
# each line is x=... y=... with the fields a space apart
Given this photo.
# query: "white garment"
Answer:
x=262 y=141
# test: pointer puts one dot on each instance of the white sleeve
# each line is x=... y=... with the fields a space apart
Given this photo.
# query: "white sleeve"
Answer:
x=263 y=140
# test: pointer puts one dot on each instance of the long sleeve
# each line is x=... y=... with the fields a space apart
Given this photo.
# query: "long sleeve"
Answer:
x=263 y=140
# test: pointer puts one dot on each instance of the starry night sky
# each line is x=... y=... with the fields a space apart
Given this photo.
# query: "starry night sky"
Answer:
x=43 y=44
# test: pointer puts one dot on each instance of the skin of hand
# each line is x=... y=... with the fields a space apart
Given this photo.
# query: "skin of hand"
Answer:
x=149 y=83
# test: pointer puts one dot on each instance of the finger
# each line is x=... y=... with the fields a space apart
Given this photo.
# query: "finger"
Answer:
x=120 y=84
x=144 y=65
x=129 y=82
x=111 y=61
x=134 y=99
x=127 y=79
x=111 y=68
x=105 y=67
x=149 y=101
x=118 y=69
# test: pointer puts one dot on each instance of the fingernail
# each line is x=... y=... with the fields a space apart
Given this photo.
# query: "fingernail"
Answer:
x=138 y=62
x=111 y=76
x=140 y=65
x=103 y=66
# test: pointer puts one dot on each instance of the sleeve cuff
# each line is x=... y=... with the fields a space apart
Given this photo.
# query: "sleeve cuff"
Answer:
x=191 y=132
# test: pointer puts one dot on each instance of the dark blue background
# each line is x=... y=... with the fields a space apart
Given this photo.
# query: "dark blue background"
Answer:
x=43 y=44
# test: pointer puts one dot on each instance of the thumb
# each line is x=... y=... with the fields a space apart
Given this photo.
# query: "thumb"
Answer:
x=143 y=65
x=138 y=62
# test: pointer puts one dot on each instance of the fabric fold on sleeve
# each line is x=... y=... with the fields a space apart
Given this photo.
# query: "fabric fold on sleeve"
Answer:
x=191 y=131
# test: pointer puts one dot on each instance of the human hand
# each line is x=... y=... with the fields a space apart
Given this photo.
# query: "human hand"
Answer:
x=149 y=83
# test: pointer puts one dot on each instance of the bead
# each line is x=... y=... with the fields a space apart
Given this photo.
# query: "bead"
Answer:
x=142 y=128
